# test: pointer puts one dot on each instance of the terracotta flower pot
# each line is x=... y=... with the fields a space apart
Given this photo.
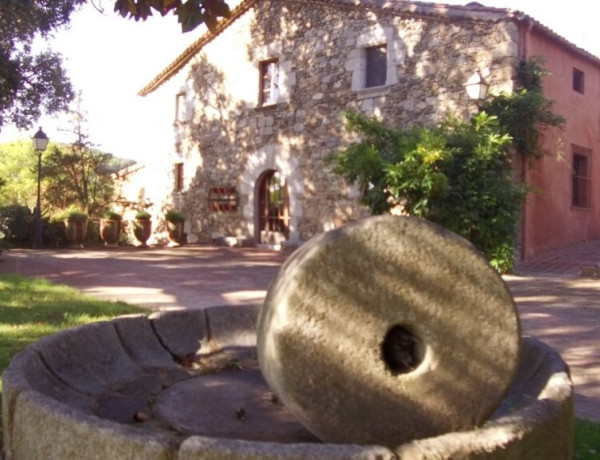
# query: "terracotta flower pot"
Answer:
x=75 y=230
x=110 y=231
x=176 y=234
x=142 y=230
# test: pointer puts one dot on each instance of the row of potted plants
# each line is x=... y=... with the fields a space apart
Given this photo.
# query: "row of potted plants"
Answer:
x=111 y=225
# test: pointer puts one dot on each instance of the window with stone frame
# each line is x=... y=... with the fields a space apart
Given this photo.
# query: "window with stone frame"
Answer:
x=582 y=180
x=375 y=66
x=178 y=177
x=269 y=82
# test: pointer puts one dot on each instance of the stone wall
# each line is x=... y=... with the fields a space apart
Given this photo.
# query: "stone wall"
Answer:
x=430 y=57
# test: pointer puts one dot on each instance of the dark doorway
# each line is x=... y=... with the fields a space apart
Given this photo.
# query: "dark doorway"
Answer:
x=273 y=208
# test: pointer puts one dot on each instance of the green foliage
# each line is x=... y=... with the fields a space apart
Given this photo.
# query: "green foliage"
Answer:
x=587 y=440
x=457 y=174
x=190 y=13
x=32 y=82
x=16 y=225
x=76 y=215
x=18 y=170
x=526 y=112
x=143 y=215
x=174 y=216
x=76 y=174
x=112 y=215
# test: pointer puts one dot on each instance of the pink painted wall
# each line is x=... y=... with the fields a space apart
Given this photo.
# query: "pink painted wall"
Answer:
x=550 y=220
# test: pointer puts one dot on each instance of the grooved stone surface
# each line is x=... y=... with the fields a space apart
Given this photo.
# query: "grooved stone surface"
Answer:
x=323 y=327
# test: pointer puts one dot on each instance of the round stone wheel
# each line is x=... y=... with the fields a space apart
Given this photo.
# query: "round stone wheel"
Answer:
x=386 y=330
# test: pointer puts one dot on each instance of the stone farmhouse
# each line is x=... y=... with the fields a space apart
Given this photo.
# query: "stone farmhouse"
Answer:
x=259 y=105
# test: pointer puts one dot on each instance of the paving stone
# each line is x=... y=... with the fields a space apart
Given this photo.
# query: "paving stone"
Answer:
x=386 y=330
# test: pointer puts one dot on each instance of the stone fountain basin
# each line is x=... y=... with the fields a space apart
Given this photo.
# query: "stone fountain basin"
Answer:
x=186 y=385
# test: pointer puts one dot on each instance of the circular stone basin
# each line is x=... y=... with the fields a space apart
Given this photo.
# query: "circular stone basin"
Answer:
x=185 y=385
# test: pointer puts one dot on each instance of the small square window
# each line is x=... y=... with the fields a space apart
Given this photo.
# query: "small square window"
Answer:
x=578 y=81
x=178 y=177
x=376 y=66
x=269 y=82
x=581 y=177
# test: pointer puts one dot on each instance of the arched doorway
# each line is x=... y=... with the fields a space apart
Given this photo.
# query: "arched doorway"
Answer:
x=273 y=208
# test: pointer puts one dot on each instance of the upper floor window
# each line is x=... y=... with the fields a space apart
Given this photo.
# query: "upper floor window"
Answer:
x=375 y=66
x=578 y=80
x=180 y=107
x=269 y=82
x=582 y=179
x=178 y=177
x=376 y=61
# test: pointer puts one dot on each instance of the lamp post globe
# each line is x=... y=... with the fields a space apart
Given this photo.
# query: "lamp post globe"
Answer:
x=40 y=142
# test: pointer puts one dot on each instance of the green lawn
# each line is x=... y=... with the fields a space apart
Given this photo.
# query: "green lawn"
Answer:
x=32 y=308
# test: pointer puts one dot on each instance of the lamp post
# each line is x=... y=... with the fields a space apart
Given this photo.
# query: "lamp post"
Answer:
x=40 y=142
x=477 y=87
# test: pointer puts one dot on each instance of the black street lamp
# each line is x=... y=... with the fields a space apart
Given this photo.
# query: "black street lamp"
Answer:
x=40 y=142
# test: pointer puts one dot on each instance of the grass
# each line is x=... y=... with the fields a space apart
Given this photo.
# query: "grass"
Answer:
x=587 y=440
x=32 y=308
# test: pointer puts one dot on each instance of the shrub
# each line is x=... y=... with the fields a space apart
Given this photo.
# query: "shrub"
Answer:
x=143 y=215
x=76 y=215
x=112 y=215
x=174 y=216
x=16 y=225
x=457 y=174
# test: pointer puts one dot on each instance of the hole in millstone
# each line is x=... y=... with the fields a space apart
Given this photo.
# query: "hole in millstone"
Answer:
x=402 y=351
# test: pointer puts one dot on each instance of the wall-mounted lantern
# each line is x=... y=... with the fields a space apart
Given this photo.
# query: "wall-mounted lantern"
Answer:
x=477 y=87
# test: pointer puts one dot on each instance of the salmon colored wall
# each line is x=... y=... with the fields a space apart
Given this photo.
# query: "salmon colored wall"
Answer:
x=550 y=221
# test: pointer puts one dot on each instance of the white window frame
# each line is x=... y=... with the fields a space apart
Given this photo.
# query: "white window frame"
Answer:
x=287 y=78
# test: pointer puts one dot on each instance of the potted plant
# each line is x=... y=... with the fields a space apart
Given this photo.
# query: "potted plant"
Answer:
x=175 y=221
x=142 y=228
x=76 y=227
x=110 y=228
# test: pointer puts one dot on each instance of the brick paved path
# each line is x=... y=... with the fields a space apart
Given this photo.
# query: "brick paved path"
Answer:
x=555 y=304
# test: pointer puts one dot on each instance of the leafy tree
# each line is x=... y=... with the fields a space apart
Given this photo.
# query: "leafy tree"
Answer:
x=31 y=81
x=18 y=169
x=190 y=13
x=77 y=174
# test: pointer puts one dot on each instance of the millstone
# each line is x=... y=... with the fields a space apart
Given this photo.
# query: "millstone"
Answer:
x=386 y=330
